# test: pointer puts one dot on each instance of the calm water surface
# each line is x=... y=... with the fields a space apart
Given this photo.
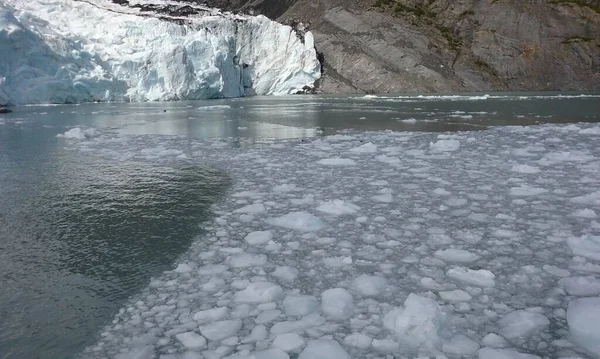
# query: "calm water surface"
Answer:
x=79 y=235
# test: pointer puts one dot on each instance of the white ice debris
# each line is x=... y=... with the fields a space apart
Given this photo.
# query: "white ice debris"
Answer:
x=487 y=247
x=338 y=207
x=490 y=353
x=444 y=145
x=221 y=330
x=526 y=190
x=417 y=324
x=366 y=148
x=211 y=315
x=242 y=260
x=527 y=169
x=301 y=221
x=259 y=292
x=456 y=256
x=289 y=342
x=300 y=305
x=521 y=323
x=480 y=277
x=324 y=349
x=585 y=246
x=76 y=132
x=337 y=162
x=337 y=304
x=94 y=51
x=583 y=318
x=494 y=341
x=358 y=340
x=581 y=286
x=457 y=295
x=259 y=237
x=460 y=345
x=192 y=340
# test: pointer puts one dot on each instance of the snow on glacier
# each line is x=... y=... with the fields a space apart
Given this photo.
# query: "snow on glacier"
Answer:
x=458 y=264
x=74 y=51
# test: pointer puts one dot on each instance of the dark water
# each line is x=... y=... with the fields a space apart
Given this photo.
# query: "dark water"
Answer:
x=79 y=235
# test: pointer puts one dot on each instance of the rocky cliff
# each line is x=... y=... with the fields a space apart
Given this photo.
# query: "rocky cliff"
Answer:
x=446 y=45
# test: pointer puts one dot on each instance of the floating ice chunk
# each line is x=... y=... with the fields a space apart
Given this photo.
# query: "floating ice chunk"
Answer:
x=251 y=208
x=456 y=256
x=337 y=262
x=137 y=353
x=569 y=156
x=585 y=213
x=430 y=283
x=211 y=315
x=186 y=355
x=369 y=285
x=494 y=340
x=337 y=162
x=525 y=169
x=583 y=318
x=588 y=199
x=310 y=321
x=480 y=278
x=417 y=324
x=286 y=187
x=300 y=221
x=221 y=330
x=460 y=345
x=457 y=295
x=324 y=349
x=259 y=238
x=521 y=323
x=289 y=342
x=338 y=207
x=267 y=316
x=258 y=333
x=243 y=260
x=183 y=268
x=526 y=190
x=337 y=304
x=489 y=353
x=300 y=305
x=273 y=353
x=358 y=340
x=366 y=148
x=259 y=292
x=554 y=270
x=78 y=133
x=385 y=198
x=585 y=246
x=385 y=346
x=285 y=274
x=581 y=286
x=212 y=269
x=191 y=340
x=444 y=145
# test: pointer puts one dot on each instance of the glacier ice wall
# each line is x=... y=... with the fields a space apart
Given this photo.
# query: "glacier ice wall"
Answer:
x=58 y=51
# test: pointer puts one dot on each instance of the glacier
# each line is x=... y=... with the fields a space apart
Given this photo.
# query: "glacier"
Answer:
x=57 y=51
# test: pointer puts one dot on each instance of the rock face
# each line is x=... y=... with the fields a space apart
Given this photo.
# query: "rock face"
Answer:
x=447 y=45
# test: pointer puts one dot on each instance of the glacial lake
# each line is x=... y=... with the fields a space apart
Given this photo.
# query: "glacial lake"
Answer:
x=83 y=234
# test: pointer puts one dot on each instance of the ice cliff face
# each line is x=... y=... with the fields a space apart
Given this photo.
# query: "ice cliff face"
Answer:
x=56 y=51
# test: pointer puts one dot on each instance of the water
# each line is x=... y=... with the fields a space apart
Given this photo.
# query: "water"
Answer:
x=79 y=235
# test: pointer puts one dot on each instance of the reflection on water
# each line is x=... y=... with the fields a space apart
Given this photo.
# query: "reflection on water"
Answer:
x=79 y=235
x=308 y=116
